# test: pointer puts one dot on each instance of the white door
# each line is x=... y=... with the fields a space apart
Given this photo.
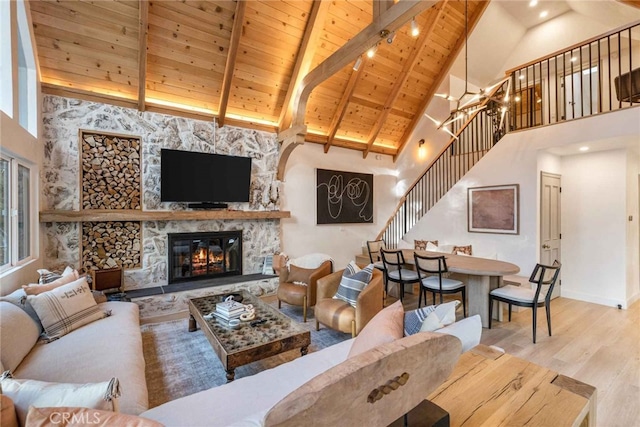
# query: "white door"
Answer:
x=581 y=93
x=550 y=233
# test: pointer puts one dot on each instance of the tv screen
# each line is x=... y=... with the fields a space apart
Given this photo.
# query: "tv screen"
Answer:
x=187 y=176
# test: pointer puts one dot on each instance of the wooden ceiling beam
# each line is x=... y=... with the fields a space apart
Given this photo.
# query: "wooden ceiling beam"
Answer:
x=380 y=6
x=391 y=20
x=404 y=75
x=306 y=52
x=143 y=35
x=444 y=74
x=342 y=105
x=234 y=43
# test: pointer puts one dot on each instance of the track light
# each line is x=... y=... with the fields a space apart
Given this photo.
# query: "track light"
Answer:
x=372 y=51
x=358 y=63
x=391 y=37
x=415 y=30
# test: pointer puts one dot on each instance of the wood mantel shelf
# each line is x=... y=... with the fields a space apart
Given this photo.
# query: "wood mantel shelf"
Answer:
x=98 y=215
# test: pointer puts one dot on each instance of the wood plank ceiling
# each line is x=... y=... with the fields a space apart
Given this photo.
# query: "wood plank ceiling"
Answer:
x=241 y=61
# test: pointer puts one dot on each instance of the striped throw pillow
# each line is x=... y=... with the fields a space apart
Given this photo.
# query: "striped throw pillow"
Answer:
x=353 y=282
x=65 y=308
x=47 y=276
x=446 y=314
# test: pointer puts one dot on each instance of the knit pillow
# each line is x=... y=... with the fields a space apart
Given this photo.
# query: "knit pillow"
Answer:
x=462 y=250
x=353 y=282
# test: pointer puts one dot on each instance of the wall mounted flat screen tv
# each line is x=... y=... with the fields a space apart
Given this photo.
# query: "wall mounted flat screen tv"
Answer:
x=188 y=176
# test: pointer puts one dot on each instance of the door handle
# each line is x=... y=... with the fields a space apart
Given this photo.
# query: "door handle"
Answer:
x=545 y=246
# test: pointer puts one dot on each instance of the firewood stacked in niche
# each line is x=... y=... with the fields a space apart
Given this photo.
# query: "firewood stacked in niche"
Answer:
x=111 y=244
x=111 y=175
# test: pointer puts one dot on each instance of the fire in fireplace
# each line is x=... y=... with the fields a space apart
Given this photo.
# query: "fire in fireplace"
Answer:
x=194 y=256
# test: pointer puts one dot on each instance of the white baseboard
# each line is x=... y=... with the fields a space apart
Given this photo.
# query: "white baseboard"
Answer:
x=580 y=296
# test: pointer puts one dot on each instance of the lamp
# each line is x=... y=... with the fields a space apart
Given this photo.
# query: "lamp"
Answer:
x=415 y=30
x=464 y=103
x=422 y=150
x=372 y=51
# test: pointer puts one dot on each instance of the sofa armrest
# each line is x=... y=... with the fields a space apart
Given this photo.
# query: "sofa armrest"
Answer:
x=468 y=330
x=369 y=301
x=328 y=285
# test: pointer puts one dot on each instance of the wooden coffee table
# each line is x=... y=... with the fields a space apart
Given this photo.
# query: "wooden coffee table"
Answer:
x=245 y=343
x=488 y=388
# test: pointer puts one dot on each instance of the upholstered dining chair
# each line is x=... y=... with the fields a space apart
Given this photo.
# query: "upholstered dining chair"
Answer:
x=298 y=281
x=373 y=248
x=544 y=278
x=340 y=315
x=394 y=265
x=431 y=272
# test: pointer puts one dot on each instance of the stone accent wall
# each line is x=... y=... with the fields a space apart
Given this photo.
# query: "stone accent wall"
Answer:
x=60 y=187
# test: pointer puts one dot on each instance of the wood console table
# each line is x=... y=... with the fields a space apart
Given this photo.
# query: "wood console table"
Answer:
x=488 y=388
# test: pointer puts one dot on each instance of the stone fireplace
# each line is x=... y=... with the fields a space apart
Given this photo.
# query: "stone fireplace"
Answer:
x=204 y=255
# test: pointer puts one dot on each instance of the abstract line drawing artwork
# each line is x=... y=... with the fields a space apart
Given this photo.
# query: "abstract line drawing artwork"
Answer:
x=343 y=197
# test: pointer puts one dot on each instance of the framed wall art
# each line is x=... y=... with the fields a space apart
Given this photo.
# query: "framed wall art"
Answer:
x=494 y=209
x=343 y=197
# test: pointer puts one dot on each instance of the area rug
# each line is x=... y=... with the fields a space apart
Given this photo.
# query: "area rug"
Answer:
x=180 y=363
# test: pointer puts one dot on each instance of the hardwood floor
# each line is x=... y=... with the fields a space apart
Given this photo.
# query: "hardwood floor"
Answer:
x=592 y=343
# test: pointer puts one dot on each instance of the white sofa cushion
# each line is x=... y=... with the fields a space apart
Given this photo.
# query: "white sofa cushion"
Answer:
x=19 y=299
x=18 y=333
x=247 y=399
x=468 y=330
x=110 y=347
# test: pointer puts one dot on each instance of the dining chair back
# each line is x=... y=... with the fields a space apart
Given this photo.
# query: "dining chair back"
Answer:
x=395 y=271
x=373 y=248
x=432 y=275
x=543 y=278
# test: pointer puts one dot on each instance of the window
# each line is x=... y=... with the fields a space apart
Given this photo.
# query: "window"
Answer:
x=6 y=74
x=15 y=215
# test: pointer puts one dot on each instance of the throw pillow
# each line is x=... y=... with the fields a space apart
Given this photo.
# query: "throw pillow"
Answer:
x=353 y=281
x=18 y=333
x=47 y=276
x=462 y=250
x=33 y=289
x=414 y=319
x=8 y=416
x=19 y=299
x=71 y=416
x=385 y=327
x=26 y=393
x=299 y=275
x=425 y=245
x=65 y=308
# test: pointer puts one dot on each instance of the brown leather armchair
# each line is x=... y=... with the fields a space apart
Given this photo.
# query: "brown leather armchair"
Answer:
x=292 y=291
x=342 y=316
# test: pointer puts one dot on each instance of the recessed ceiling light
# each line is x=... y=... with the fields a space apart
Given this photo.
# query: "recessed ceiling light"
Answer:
x=533 y=3
x=544 y=14
x=585 y=148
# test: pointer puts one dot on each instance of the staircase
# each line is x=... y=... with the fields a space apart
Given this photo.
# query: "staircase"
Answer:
x=594 y=77
x=474 y=136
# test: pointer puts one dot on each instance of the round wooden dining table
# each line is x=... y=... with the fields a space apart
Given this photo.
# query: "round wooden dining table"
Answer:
x=481 y=276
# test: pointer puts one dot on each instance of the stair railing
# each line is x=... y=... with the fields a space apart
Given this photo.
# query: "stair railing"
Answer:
x=474 y=137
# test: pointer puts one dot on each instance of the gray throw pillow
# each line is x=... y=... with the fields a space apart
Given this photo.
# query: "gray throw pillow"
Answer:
x=353 y=282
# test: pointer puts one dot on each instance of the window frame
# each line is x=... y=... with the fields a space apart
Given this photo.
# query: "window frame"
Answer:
x=13 y=240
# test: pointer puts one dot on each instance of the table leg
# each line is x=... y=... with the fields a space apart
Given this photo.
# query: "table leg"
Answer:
x=192 y=323
x=478 y=288
x=231 y=375
x=304 y=350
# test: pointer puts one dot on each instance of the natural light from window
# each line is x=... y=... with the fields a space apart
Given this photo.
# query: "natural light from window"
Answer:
x=27 y=82
x=6 y=86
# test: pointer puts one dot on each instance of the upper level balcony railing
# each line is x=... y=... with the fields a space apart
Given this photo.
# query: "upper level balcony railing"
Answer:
x=599 y=75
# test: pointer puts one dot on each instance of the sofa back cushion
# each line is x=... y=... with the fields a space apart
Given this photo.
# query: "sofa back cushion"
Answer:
x=19 y=334
x=19 y=299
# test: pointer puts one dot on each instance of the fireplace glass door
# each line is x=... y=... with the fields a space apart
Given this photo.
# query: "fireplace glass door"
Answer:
x=204 y=255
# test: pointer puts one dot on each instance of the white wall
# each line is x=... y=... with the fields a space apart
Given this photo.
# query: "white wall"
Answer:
x=632 y=224
x=518 y=159
x=300 y=234
x=593 y=227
